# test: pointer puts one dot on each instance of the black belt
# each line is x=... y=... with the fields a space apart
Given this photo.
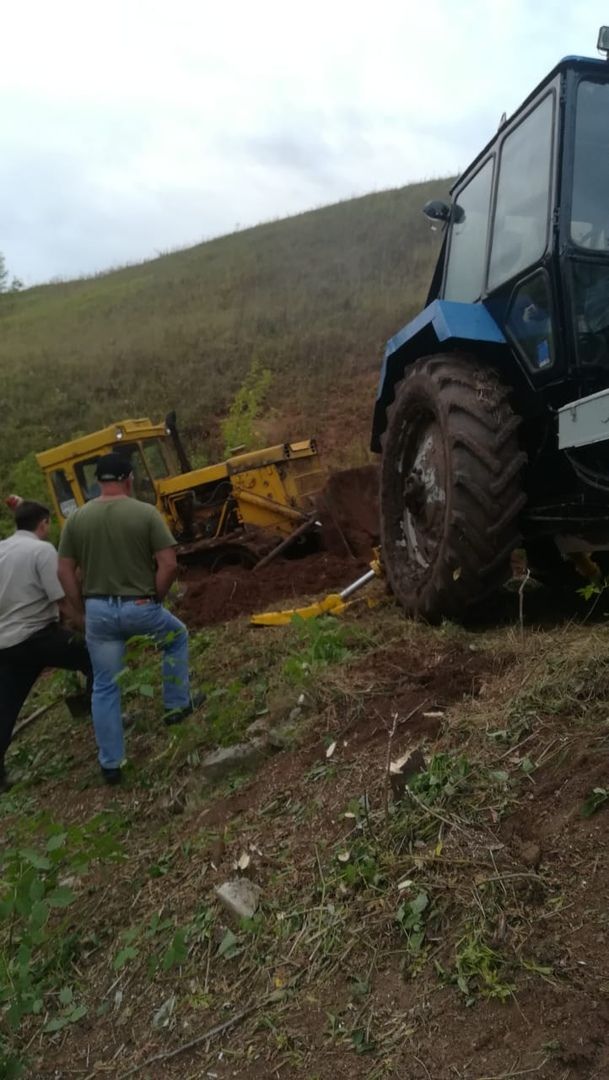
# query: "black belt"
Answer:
x=105 y=596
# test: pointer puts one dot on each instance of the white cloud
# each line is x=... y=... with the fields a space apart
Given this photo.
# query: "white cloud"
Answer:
x=137 y=125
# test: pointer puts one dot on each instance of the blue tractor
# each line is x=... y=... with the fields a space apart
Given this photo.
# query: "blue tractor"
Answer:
x=492 y=413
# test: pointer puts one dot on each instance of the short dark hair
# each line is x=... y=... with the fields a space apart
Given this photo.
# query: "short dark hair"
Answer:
x=29 y=515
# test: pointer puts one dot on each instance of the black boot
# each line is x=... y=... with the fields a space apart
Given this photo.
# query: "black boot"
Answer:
x=112 y=776
x=176 y=716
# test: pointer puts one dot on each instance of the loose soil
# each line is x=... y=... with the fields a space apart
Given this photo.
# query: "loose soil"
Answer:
x=213 y=598
x=348 y=509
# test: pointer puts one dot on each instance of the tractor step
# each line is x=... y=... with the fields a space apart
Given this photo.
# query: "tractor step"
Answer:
x=583 y=422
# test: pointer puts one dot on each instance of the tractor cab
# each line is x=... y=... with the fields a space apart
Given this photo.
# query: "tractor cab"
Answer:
x=70 y=468
x=528 y=232
x=492 y=412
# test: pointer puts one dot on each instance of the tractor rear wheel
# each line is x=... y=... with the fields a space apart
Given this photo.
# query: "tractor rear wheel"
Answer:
x=451 y=490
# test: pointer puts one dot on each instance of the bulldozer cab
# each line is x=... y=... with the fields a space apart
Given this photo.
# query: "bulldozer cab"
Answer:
x=528 y=231
x=272 y=490
x=70 y=468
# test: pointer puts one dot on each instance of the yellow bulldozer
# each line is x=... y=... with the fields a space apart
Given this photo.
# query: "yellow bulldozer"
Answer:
x=241 y=510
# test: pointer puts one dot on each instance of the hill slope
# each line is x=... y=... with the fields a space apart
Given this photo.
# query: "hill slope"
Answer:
x=458 y=932
x=314 y=297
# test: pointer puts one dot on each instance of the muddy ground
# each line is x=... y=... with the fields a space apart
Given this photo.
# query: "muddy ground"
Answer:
x=348 y=510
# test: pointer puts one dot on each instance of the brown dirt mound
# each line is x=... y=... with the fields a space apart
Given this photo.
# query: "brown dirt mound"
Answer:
x=349 y=511
x=213 y=598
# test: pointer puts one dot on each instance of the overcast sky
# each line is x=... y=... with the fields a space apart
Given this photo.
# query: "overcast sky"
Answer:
x=131 y=127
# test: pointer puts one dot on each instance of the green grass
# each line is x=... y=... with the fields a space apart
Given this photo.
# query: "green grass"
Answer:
x=108 y=910
x=311 y=298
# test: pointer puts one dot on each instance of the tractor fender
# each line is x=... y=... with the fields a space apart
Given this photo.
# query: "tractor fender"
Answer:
x=443 y=326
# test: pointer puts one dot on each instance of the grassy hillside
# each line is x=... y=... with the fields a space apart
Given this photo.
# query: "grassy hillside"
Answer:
x=455 y=932
x=313 y=297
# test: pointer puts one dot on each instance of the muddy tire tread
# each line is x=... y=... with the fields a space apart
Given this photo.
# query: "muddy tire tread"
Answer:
x=484 y=490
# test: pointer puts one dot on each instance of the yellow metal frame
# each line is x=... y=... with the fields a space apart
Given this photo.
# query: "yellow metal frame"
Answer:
x=68 y=455
x=103 y=441
x=272 y=488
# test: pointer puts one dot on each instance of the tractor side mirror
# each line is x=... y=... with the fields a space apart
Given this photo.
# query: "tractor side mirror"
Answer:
x=436 y=210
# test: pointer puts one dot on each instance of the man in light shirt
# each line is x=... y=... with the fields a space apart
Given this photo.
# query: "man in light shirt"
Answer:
x=31 y=601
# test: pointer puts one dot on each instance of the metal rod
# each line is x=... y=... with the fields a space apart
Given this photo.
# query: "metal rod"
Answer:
x=357 y=584
x=306 y=525
x=280 y=509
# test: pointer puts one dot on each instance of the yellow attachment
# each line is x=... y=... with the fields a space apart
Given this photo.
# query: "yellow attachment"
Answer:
x=333 y=604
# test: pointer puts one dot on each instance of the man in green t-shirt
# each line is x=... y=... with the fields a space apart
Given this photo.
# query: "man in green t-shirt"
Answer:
x=126 y=557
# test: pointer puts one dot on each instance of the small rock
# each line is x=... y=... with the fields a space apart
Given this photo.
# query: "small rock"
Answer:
x=258 y=728
x=219 y=763
x=239 y=896
x=283 y=737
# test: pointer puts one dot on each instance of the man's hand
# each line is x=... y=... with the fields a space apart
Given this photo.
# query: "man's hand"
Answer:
x=68 y=577
x=75 y=620
x=166 y=571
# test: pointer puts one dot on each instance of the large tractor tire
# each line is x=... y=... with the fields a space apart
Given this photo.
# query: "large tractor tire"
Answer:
x=451 y=490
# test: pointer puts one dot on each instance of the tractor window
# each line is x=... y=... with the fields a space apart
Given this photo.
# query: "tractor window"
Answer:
x=590 y=292
x=143 y=488
x=590 y=205
x=529 y=321
x=520 y=227
x=65 y=498
x=155 y=460
x=85 y=474
x=467 y=255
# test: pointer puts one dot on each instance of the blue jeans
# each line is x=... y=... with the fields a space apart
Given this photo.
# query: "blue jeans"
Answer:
x=109 y=625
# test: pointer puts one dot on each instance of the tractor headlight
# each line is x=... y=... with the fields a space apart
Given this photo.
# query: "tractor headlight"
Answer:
x=603 y=39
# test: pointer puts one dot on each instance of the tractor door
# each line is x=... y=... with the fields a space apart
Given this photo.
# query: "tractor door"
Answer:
x=585 y=228
x=63 y=489
x=522 y=279
x=502 y=238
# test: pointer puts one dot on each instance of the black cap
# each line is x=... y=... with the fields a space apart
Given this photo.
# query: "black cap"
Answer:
x=113 y=467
